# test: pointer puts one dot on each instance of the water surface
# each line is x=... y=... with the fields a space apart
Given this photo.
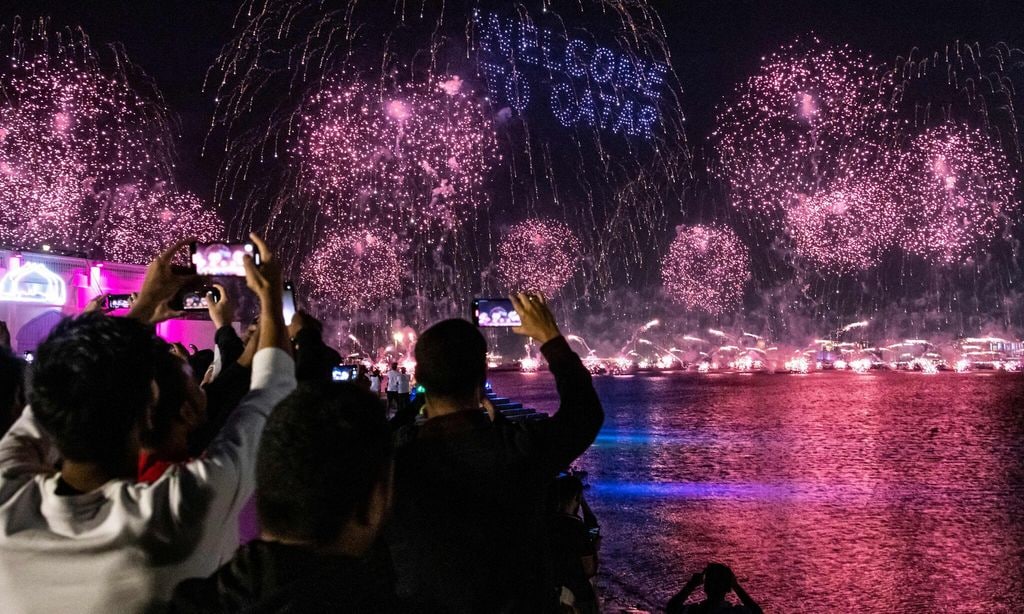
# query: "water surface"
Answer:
x=884 y=492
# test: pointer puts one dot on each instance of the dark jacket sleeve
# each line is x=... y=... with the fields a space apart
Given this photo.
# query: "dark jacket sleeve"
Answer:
x=567 y=434
x=229 y=344
x=223 y=395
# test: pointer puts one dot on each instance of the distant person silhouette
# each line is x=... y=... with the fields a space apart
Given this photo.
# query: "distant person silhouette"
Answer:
x=718 y=581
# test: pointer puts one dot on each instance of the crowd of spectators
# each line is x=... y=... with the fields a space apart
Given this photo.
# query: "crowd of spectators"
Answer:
x=127 y=462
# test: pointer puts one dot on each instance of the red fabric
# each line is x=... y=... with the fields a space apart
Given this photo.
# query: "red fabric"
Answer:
x=151 y=469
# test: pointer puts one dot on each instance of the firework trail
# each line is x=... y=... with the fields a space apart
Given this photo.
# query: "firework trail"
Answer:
x=76 y=130
x=538 y=256
x=706 y=269
x=962 y=84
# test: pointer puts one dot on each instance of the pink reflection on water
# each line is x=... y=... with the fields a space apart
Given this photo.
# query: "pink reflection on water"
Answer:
x=882 y=492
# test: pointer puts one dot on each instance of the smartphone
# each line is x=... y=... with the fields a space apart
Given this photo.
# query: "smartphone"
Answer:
x=494 y=312
x=225 y=259
x=29 y=357
x=119 y=301
x=195 y=300
x=288 y=301
x=344 y=373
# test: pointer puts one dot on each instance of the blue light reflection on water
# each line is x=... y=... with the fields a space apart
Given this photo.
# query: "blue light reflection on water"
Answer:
x=692 y=490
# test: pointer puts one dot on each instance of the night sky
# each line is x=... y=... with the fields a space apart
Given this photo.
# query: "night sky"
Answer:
x=714 y=43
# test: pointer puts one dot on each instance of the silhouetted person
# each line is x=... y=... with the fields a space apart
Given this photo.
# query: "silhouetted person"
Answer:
x=718 y=581
x=314 y=359
x=573 y=544
x=12 y=381
x=323 y=490
x=468 y=532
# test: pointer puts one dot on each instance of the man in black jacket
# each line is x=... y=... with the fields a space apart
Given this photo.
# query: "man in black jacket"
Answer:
x=468 y=530
x=314 y=359
x=323 y=489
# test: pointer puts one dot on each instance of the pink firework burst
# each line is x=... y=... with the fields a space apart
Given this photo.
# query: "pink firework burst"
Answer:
x=354 y=268
x=140 y=226
x=793 y=127
x=847 y=228
x=416 y=157
x=706 y=268
x=72 y=134
x=958 y=189
x=538 y=256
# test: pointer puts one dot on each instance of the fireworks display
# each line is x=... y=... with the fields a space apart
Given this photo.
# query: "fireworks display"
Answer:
x=835 y=152
x=442 y=125
x=538 y=256
x=353 y=268
x=959 y=190
x=140 y=226
x=706 y=269
x=845 y=229
x=418 y=155
x=805 y=121
x=73 y=136
x=399 y=156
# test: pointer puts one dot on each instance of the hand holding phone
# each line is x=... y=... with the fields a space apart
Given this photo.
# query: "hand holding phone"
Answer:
x=538 y=321
x=119 y=301
x=220 y=305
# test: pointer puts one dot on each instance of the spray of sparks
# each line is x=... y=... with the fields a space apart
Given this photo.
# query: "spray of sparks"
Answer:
x=706 y=268
x=845 y=229
x=803 y=122
x=417 y=156
x=538 y=256
x=353 y=268
x=959 y=189
x=317 y=133
x=819 y=145
x=74 y=137
x=140 y=226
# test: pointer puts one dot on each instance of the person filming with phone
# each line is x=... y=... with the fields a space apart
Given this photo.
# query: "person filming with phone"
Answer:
x=468 y=531
x=82 y=534
x=718 y=581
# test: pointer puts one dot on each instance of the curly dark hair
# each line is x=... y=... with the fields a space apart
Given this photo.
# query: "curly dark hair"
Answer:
x=92 y=381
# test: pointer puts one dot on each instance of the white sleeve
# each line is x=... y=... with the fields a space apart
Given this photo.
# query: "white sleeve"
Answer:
x=228 y=468
x=25 y=451
x=217 y=362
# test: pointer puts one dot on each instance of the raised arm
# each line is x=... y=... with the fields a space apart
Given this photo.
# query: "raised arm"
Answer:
x=579 y=417
x=222 y=314
x=228 y=467
x=25 y=451
x=676 y=604
x=745 y=599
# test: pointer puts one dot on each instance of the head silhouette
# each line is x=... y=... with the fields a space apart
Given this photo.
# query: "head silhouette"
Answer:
x=718 y=581
x=451 y=360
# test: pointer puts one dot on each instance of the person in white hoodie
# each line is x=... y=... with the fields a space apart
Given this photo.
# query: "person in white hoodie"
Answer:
x=77 y=532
